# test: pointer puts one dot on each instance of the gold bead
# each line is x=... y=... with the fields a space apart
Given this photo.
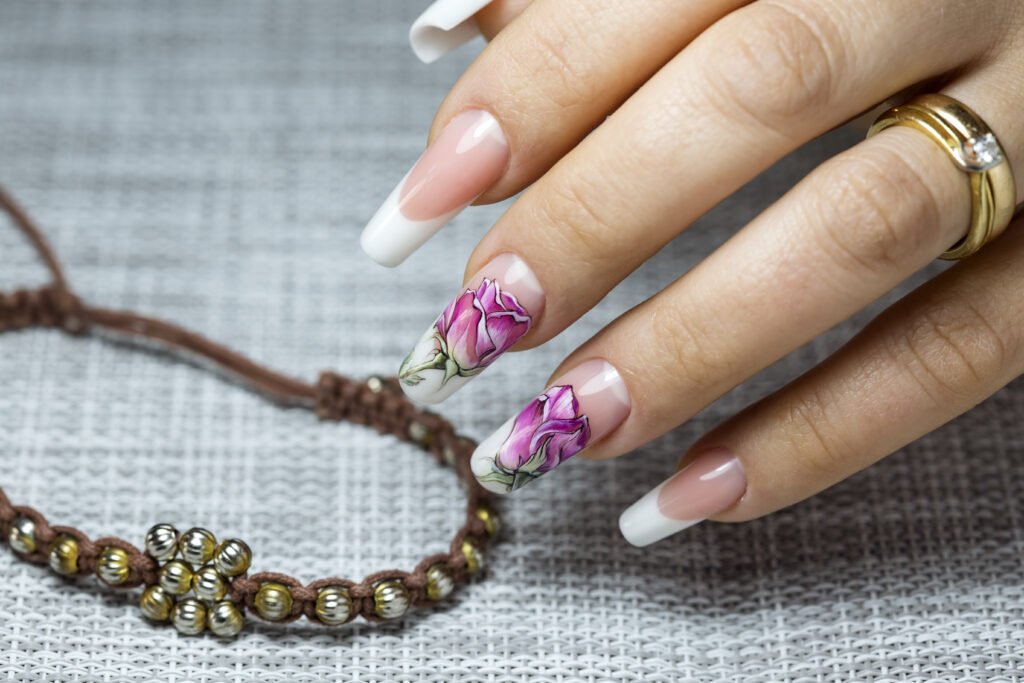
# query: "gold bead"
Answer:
x=22 y=535
x=490 y=518
x=189 y=616
x=175 y=577
x=64 y=554
x=232 y=557
x=208 y=584
x=475 y=560
x=333 y=605
x=197 y=546
x=440 y=581
x=390 y=599
x=112 y=565
x=162 y=542
x=156 y=603
x=224 y=619
x=420 y=434
x=273 y=601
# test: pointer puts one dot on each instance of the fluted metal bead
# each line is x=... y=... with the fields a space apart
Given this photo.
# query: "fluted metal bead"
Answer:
x=225 y=619
x=273 y=601
x=112 y=565
x=420 y=434
x=232 y=557
x=22 y=535
x=390 y=599
x=440 y=581
x=156 y=603
x=162 y=542
x=333 y=605
x=64 y=554
x=189 y=616
x=209 y=584
x=489 y=516
x=175 y=577
x=375 y=384
x=196 y=546
x=475 y=560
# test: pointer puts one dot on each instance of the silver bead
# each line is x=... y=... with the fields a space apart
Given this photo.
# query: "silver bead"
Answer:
x=232 y=557
x=273 y=601
x=196 y=546
x=224 y=619
x=22 y=535
x=440 y=581
x=375 y=383
x=189 y=616
x=156 y=603
x=112 y=565
x=175 y=577
x=208 y=584
x=390 y=599
x=63 y=555
x=333 y=605
x=162 y=542
x=419 y=433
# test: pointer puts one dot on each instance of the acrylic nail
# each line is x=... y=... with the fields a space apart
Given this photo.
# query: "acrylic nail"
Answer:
x=712 y=482
x=444 y=26
x=496 y=309
x=579 y=408
x=467 y=157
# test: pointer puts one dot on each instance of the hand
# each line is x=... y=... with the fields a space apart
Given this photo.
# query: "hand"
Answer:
x=700 y=97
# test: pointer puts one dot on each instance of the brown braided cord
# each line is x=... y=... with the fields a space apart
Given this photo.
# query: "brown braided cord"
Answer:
x=378 y=403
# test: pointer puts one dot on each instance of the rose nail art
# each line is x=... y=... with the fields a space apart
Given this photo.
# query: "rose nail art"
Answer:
x=467 y=157
x=479 y=325
x=582 y=406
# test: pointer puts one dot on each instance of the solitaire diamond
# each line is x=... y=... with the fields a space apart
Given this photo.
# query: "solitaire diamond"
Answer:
x=981 y=153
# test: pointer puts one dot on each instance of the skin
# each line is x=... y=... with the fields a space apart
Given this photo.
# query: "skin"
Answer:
x=608 y=106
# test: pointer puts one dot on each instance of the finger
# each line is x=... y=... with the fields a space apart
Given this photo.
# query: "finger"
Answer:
x=573 y=239
x=853 y=229
x=932 y=356
x=447 y=24
x=546 y=80
x=749 y=90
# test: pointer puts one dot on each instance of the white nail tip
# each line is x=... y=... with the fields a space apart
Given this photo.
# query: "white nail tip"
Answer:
x=643 y=524
x=444 y=26
x=482 y=460
x=389 y=238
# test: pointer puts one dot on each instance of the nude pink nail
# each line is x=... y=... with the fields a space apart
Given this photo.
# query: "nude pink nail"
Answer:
x=712 y=482
x=467 y=157
x=579 y=408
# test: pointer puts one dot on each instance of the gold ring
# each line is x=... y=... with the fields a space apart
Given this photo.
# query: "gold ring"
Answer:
x=973 y=147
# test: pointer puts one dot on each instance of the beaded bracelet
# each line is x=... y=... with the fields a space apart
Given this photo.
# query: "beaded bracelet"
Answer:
x=175 y=565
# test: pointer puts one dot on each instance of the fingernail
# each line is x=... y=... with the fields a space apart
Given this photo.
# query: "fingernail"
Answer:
x=713 y=482
x=466 y=158
x=497 y=308
x=580 y=407
x=444 y=26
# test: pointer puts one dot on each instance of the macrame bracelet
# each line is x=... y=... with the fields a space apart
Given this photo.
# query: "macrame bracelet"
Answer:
x=189 y=578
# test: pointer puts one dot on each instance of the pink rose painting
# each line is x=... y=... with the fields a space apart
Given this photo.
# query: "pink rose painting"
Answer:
x=548 y=431
x=470 y=334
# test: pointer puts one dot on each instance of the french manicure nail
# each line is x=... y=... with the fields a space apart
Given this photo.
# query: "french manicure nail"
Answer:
x=712 y=482
x=466 y=158
x=580 y=407
x=498 y=307
x=444 y=26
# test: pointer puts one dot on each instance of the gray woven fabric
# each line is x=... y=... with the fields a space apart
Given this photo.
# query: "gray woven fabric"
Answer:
x=213 y=163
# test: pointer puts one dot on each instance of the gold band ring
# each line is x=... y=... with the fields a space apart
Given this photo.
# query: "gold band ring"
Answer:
x=974 y=149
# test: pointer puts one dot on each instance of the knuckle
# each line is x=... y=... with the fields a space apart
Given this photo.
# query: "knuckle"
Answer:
x=773 y=63
x=877 y=214
x=577 y=220
x=951 y=348
x=560 y=55
x=681 y=349
x=811 y=437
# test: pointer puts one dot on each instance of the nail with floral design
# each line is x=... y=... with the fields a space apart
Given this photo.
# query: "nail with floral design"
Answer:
x=463 y=161
x=497 y=308
x=582 y=406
